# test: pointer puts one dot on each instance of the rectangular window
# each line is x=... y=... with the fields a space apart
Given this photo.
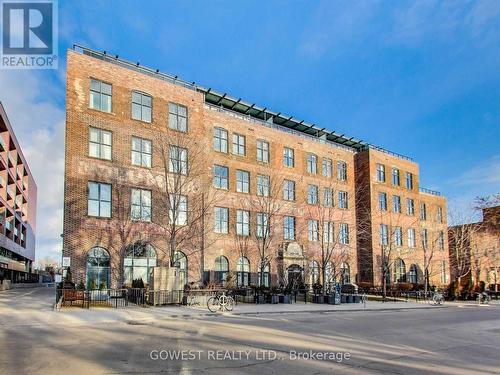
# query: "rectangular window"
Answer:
x=289 y=228
x=178 y=160
x=312 y=194
x=395 y=177
x=262 y=225
x=396 y=204
x=380 y=173
x=221 y=224
x=242 y=181
x=312 y=163
x=239 y=147
x=262 y=151
x=411 y=237
x=242 y=223
x=288 y=157
x=140 y=205
x=327 y=167
x=344 y=234
x=382 y=201
x=423 y=211
x=328 y=197
x=220 y=140
x=439 y=214
x=263 y=185
x=141 y=106
x=441 y=240
x=425 y=238
x=178 y=209
x=289 y=190
x=221 y=177
x=100 y=143
x=343 y=199
x=410 y=207
x=398 y=236
x=99 y=199
x=341 y=170
x=384 y=240
x=141 y=152
x=328 y=232
x=100 y=95
x=177 y=117
x=313 y=230
x=409 y=180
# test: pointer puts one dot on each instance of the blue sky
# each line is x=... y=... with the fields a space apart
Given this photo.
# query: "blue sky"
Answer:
x=419 y=78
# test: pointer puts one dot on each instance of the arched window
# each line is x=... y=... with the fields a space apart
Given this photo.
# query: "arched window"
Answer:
x=139 y=261
x=221 y=269
x=314 y=267
x=413 y=276
x=243 y=271
x=345 y=272
x=266 y=279
x=330 y=276
x=180 y=262
x=399 y=271
x=97 y=268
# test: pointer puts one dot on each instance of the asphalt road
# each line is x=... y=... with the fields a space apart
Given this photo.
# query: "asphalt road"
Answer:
x=448 y=340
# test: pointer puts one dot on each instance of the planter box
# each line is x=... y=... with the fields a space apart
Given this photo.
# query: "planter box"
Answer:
x=334 y=299
x=284 y=299
x=260 y=299
x=318 y=298
x=343 y=298
x=350 y=298
x=275 y=299
x=357 y=298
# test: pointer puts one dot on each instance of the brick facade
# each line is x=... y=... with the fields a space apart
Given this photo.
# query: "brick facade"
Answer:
x=82 y=232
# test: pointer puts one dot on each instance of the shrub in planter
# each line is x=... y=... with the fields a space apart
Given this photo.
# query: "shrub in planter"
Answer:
x=80 y=286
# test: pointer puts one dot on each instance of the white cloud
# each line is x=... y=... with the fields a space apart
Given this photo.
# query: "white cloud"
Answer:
x=483 y=174
x=38 y=123
x=481 y=180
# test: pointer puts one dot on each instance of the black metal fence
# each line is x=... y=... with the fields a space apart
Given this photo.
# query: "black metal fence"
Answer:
x=117 y=298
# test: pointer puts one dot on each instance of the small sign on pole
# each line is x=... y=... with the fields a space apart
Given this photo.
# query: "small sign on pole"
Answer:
x=66 y=261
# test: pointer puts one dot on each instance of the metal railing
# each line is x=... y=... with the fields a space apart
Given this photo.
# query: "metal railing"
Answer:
x=277 y=127
x=117 y=298
x=377 y=148
x=429 y=191
x=135 y=67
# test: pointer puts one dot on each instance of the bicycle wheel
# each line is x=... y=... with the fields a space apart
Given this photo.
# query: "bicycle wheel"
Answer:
x=229 y=304
x=213 y=304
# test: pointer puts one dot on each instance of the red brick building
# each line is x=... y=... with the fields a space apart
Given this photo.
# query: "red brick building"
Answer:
x=163 y=172
x=475 y=251
x=17 y=207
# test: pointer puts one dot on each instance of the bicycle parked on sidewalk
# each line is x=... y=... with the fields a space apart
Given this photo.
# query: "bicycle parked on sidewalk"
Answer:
x=436 y=299
x=220 y=302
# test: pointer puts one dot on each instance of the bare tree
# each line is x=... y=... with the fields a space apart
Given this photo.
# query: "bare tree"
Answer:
x=185 y=199
x=269 y=207
x=463 y=255
x=323 y=216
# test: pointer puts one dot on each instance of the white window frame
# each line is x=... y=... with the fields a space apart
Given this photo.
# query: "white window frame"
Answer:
x=242 y=181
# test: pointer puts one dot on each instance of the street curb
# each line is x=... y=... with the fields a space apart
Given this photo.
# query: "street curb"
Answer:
x=228 y=314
